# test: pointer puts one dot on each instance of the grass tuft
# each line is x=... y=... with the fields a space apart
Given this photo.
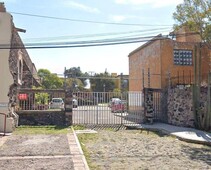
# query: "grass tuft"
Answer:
x=27 y=130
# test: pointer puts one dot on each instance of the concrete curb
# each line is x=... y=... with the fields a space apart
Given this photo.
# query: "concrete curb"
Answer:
x=80 y=149
x=164 y=131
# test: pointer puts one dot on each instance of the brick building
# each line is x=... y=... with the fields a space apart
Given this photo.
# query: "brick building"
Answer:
x=163 y=58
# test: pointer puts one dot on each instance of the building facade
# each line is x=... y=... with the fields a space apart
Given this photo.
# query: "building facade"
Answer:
x=16 y=69
x=164 y=60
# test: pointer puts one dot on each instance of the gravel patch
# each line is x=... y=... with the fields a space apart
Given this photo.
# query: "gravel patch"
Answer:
x=32 y=145
x=131 y=149
x=37 y=164
x=36 y=152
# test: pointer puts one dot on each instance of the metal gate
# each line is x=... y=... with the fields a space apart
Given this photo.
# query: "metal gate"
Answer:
x=104 y=108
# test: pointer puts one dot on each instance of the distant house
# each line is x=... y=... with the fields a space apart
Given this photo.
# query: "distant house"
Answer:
x=121 y=81
x=16 y=68
x=162 y=59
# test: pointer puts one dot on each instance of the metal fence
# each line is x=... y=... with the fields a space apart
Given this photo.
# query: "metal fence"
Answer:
x=36 y=99
x=107 y=108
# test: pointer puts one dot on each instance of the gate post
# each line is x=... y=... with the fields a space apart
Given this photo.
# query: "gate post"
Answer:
x=68 y=107
x=148 y=105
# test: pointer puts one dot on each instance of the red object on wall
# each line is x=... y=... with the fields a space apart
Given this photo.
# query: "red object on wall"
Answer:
x=22 y=96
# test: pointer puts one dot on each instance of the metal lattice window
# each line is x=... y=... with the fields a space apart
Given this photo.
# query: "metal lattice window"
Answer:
x=183 y=57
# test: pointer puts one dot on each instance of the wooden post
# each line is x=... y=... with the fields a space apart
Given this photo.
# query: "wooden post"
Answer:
x=195 y=96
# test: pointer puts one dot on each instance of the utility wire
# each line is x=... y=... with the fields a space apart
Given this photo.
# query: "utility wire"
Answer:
x=102 y=42
x=118 y=39
x=156 y=30
x=86 y=21
x=91 y=41
x=80 y=45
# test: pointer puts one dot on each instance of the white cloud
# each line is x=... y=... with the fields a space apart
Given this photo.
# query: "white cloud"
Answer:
x=118 y=18
x=82 y=7
x=153 y=3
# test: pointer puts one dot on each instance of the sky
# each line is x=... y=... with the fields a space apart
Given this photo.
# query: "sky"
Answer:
x=104 y=19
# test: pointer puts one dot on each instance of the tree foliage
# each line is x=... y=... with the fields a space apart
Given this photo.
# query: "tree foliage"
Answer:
x=77 y=77
x=102 y=82
x=49 y=80
x=73 y=72
x=196 y=15
x=74 y=84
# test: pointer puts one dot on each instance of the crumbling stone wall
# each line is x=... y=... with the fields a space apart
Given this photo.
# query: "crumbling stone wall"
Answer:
x=27 y=77
x=13 y=66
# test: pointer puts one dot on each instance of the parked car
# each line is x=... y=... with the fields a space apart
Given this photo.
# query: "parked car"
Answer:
x=56 y=103
x=75 y=103
x=118 y=106
x=112 y=101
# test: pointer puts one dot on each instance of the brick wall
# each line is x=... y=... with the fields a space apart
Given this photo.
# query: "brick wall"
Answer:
x=146 y=57
x=158 y=57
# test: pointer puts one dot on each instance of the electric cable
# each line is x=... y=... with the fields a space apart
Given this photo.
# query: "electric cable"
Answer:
x=86 y=21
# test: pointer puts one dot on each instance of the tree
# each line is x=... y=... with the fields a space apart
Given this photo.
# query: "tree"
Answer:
x=49 y=80
x=196 y=16
x=74 y=84
x=76 y=74
x=102 y=82
x=73 y=72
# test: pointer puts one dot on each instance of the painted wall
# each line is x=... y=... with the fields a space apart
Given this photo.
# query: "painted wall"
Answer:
x=158 y=56
x=148 y=56
x=6 y=78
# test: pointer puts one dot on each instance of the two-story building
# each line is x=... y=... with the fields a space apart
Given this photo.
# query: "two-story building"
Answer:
x=162 y=59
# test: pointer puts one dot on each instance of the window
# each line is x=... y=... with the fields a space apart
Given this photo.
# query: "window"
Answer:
x=183 y=57
x=20 y=67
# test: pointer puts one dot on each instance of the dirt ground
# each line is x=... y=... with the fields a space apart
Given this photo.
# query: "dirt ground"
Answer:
x=35 y=152
x=133 y=149
x=109 y=150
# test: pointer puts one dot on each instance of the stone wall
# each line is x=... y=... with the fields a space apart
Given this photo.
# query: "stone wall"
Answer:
x=180 y=106
x=42 y=118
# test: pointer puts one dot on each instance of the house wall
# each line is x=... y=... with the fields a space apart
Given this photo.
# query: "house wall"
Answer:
x=6 y=78
x=181 y=74
x=168 y=66
x=159 y=58
x=185 y=35
x=141 y=59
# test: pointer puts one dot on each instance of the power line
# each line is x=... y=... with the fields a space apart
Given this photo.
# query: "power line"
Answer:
x=81 y=45
x=119 y=39
x=86 y=21
x=90 y=43
x=100 y=34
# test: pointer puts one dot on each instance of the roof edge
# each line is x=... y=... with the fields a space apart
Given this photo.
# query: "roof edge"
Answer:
x=158 y=37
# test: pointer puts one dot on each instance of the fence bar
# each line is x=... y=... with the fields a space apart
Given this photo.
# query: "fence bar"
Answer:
x=5 y=122
x=143 y=78
x=148 y=77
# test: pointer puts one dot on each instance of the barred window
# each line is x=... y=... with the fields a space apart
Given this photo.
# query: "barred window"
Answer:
x=183 y=57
